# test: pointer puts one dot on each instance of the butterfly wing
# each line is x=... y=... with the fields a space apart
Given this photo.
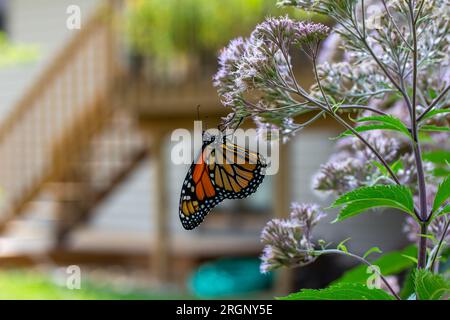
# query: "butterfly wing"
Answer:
x=226 y=171
x=238 y=172
x=198 y=194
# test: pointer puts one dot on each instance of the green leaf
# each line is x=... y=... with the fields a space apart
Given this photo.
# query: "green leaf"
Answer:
x=441 y=159
x=372 y=250
x=431 y=127
x=444 y=211
x=413 y=259
x=439 y=156
x=430 y=286
x=441 y=172
x=395 y=167
x=442 y=194
x=357 y=207
x=380 y=167
x=364 y=198
x=341 y=246
x=385 y=122
x=388 y=120
x=432 y=93
x=435 y=112
x=392 y=126
x=344 y=291
x=389 y=263
x=408 y=285
x=364 y=128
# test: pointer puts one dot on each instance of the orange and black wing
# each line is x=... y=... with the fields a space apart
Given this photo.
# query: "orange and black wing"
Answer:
x=238 y=172
x=198 y=194
x=227 y=171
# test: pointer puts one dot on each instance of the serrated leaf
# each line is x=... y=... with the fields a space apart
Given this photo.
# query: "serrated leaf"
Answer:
x=389 y=263
x=357 y=207
x=442 y=194
x=388 y=120
x=408 y=285
x=430 y=286
x=432 y=127
x=364 y=198
x=372 y=250
x=365 y=128
x=343 y=291
x=435 y=112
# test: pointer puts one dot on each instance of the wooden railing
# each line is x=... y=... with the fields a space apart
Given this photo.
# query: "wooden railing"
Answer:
x=105 y=162
x=52 y=126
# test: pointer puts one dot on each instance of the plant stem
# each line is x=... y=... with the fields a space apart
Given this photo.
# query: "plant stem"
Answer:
x=358 y=107
x=441 y=240
x=349 y=127
x=434 y=103
x=384 y=69
x=356 y=133
x=422 y=254
x=361 y=259
x=399 y=32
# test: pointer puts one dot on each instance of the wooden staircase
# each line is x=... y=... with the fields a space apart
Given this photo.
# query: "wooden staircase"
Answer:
x=70 y=134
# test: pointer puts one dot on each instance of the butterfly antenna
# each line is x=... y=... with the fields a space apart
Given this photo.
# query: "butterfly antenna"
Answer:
x=241 y=119
x=239 y=124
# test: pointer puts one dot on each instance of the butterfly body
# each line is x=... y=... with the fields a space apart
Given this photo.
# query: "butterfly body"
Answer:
x=223 y=170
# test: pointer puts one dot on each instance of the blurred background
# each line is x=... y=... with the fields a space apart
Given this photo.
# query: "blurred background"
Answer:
x=85 y=172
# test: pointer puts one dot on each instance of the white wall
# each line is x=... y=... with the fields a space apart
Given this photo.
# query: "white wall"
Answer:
x=384 y=229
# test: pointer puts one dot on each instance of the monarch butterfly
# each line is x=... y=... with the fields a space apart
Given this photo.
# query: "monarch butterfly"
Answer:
x=223 y=170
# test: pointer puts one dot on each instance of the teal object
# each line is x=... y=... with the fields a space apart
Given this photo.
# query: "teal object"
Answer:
x=229 y=277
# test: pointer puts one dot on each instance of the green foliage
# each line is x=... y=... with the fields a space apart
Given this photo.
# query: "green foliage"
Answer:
x=390 y=123
x=444 y=210
x=372 y=250
x=167 y=29
x=437 y=156
x=434 y=128
x=21 y=284
x=441 y=161
x=442 y=194
x=385 y=122
x=342 y=247
x=395 y=167
x=408 y=285
x=343 y=291
x=389 y=264
x=430 y=286
x=435 y=112
x=364 y=198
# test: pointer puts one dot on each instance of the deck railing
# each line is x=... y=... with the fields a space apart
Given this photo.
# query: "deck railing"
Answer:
x=51 y=129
